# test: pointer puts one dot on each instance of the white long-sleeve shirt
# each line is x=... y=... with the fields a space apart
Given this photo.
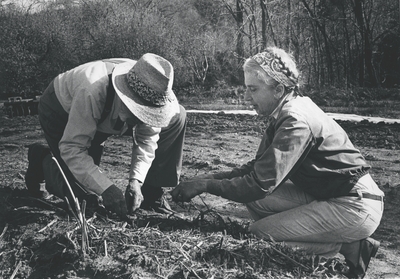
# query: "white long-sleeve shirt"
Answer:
x=82 y=93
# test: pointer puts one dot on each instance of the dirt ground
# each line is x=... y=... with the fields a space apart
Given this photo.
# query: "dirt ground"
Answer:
x=207 y=239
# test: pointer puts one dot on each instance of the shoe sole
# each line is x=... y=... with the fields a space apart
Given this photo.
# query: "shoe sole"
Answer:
x=375 y=245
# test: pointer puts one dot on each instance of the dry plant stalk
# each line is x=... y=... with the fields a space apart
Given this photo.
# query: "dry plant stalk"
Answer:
x=85 y=244
x=105 y=248
x=47 y=226
x=79 y=215
x=290 y=259
x=4 y=231
x=75 y=200
x=16 y=270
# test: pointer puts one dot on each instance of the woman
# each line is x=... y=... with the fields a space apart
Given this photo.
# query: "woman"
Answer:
x=308 y=185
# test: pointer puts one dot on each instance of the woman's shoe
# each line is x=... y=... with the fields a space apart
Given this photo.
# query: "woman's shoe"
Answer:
x=368 y=249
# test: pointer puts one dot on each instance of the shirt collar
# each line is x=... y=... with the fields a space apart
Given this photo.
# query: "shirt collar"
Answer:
x=285 y=99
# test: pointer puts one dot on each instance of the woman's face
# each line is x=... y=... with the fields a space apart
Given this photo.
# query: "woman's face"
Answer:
x=262 y=96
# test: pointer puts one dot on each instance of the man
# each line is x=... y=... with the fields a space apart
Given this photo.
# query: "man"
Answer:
x=79 y=110
x=308 y=185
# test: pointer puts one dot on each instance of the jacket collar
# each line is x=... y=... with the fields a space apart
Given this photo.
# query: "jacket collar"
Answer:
x=277 y=110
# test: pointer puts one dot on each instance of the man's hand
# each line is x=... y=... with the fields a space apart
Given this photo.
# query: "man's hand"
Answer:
x=113 y=200
x=133 y=195
x=185 y=191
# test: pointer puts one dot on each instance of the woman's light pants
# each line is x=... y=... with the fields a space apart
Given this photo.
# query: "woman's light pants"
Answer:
x=318 y=226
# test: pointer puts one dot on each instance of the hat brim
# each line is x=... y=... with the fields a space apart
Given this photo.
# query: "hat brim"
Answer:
x=155 y=116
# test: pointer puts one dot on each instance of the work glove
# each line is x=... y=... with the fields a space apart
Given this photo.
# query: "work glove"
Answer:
x=114 y=201
x=133 y=195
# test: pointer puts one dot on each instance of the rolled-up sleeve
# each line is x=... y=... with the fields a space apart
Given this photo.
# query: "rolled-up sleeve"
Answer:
x=274 y=163
x=144 y=146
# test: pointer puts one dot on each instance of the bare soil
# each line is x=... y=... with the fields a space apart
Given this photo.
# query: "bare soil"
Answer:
x=207 y=239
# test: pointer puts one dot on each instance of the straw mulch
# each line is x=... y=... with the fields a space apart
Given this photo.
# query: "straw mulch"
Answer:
x=151 y=245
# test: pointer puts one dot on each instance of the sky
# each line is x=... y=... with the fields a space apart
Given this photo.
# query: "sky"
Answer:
x=25 y=4
x=19 y=2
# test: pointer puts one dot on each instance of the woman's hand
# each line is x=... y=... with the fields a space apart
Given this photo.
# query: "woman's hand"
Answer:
x=185 y=191
x=204 y=176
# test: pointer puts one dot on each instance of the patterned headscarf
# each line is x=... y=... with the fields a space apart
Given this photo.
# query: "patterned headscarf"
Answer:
x=272 y=63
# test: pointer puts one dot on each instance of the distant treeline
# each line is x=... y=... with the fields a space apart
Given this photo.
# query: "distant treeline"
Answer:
x=339 y=43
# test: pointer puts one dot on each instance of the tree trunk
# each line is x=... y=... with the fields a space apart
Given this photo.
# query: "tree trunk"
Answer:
x=357 y=8
x=264 y=8
x=348 y=67
x=239 y=24
x=321 y=28
x=288 y=26
x=263 y=25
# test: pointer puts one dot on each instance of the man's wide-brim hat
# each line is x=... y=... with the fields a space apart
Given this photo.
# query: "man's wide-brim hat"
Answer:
x=145 y=87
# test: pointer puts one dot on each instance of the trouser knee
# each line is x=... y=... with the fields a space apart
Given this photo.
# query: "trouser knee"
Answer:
x=260 y=231
x=56 y=183
x=53 y=177
x=254 y=230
